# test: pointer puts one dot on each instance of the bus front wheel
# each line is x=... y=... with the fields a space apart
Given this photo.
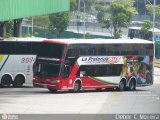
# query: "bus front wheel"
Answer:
x=77 y=86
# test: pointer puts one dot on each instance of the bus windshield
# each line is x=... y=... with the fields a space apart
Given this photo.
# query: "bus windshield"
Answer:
x=47 y=68
x=49 y=50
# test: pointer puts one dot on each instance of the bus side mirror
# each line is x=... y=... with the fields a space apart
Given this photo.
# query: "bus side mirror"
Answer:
x=66 y=71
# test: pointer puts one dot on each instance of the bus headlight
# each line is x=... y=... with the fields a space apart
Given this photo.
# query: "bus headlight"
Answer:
x=55 y=81
x=70 y=81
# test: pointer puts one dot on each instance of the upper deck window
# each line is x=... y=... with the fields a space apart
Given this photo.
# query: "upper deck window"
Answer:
x=51 y=50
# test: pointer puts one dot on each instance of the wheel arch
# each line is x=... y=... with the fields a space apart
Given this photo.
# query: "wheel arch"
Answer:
x=78 y=80
x=8 y=74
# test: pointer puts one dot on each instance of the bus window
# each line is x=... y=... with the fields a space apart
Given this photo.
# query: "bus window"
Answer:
x=35 y=47
x=23 y=47
x=92 y=49
x=83 y=50
x=51 y=50
x=100 y=70
x=7 y=47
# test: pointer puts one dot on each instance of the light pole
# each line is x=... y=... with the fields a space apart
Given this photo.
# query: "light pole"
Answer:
x=32 y=26
x=154 y=16
x=78 y=16
x=84 y=11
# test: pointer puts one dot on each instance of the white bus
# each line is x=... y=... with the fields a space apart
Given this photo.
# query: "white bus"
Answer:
x=17 y=56
x=135 y=32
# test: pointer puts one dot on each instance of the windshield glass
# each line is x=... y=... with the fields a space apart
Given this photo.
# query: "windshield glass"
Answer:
x=51 y=50
x=47 y=68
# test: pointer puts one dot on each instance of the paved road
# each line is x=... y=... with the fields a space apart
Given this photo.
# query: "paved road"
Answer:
x=28 y=100
x=37 y=100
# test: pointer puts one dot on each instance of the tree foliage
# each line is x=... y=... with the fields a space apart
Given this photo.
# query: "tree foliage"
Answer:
x=73 y=5
x=120 y=13
x=59 y=22
x=88 y=5
x=101 y=17
x=150 y=9
x=9 y=28
x=41 y=21
x=147 y=25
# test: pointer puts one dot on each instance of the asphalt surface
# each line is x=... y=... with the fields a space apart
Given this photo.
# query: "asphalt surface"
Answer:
x=38 y=101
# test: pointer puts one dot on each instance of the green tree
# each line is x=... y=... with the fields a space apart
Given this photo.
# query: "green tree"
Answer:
x=120 y=13
x=59 y=23
x=41 y=21
x=88 y=5
x=101 y=15
x=150 y=9
x=9 y=28
x=73 y=5
x=88 y=36
x=147 y=25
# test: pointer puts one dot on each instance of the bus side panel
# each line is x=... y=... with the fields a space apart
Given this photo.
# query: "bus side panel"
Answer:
x=140 y=67
x=3 y=60
x=101 y=82
x=17 y=64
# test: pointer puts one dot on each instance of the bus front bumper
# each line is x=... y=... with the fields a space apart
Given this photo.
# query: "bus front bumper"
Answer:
x=43 y=85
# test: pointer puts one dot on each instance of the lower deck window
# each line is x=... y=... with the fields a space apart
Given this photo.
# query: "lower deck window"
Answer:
x=100 y=70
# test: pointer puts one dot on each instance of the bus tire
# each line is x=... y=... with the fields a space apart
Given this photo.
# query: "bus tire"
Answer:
x=122 y=85
x=132 y=85
x=52 y=90
x=77 y=87
x=18 y=81
x=6 y=81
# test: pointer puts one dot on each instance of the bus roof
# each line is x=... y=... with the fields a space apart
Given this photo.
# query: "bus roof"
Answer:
x=25 y=39
x=81 y=41
x=139 y=28
x=99 y=41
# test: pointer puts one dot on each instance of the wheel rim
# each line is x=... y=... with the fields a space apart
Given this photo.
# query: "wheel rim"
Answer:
x=6 y=82
x=76 y=87
x=121 y=85
x=18 y=82
x=132 y=85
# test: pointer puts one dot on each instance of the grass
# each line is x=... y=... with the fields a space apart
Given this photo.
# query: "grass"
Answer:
x=157 y=63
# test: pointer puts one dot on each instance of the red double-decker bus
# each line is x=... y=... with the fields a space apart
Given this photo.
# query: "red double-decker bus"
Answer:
x=77 y=64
